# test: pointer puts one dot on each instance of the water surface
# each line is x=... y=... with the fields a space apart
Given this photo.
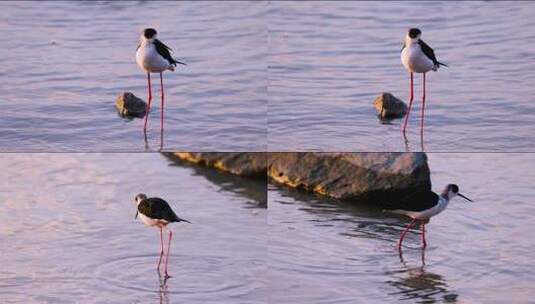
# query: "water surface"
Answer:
x=68 y=234
x=323 y=251
x=328 y=61
x=65 y=63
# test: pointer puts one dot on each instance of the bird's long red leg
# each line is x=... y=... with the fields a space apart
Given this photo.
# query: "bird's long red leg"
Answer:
x=148 y=104
x=161 y=248
x=410 y=104
x=168 y=249
x=405 y=232
x=161 y=119
x=423 y=236
x=423 y=109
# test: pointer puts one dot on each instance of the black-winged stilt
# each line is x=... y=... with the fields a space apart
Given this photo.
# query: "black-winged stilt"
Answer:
x=156 y=212
x=154 y=57
x=421 y=206
x=417 y=57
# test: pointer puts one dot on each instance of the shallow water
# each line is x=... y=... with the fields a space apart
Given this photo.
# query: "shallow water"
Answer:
x=65 y=63
x=68 y=234
x=327 y=252
x=328 y=61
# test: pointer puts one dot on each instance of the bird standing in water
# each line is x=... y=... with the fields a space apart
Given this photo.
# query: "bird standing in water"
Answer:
x=417 y=57
x=421 y=206
x=155 y=212
x=154 y=57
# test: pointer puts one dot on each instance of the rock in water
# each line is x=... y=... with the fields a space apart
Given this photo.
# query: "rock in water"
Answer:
x=389 y=107
x=252 y=164
x=129 y=105
x=360 y=177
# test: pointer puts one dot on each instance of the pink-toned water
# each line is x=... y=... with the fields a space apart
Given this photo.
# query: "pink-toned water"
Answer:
x=64 y=63
x=481 y=252
x=328 y=61
x=68 y=234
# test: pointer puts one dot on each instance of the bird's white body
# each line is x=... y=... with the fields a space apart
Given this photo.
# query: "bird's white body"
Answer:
x=152 y=222
x=148 y=59
x=428 y=213
x=414 y=59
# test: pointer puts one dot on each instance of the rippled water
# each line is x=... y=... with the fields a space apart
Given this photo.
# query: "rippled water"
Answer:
x=329 y=252
x=64 y=64
x=329 y=61
x=68 y=234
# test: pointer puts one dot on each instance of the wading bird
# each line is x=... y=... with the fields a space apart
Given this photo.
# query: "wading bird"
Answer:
x=155 y=212
x=417 y=57
x=154 y=57
x=421 y=206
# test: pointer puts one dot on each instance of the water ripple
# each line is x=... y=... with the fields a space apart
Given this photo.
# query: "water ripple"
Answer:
x=73 y=59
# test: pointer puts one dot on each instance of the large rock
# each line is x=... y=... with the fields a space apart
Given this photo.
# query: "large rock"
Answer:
x=129 y=105
x=361 y=177
x=240 y=163
x=388 y=106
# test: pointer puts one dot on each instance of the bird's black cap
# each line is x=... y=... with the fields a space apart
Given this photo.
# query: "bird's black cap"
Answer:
x=414 y=32
x=454 y=188
x=149 y=33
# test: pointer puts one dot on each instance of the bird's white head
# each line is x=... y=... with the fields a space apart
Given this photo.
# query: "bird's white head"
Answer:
x=451 y=191
x=148 y=34
x=413 y=35
x=140 y=197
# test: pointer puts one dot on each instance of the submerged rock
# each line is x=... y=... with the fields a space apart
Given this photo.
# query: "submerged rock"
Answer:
x=250 y=164
x=364 y=177
x=129 y=105
x=388 y=106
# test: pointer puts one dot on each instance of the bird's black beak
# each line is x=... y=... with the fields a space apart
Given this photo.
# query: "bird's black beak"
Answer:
x=135 y=217
x=183 y=220
x=466 y=198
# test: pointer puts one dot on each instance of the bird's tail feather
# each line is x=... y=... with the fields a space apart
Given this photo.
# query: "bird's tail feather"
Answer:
x=173 y=65
x=440 y=63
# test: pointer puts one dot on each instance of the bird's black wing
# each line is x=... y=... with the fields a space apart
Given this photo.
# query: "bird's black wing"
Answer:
x=416 y=201
x=138 y=46
x=402 y=47
x=163 y=50
x=157 y=208
x=428 y=51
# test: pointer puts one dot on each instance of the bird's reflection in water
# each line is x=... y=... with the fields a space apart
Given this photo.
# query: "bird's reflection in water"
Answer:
x=402 y=260
x=161 y=140
x=162 y=292
x=422 y=141
x=417 y=284
x=146 y=140
x=406 y=141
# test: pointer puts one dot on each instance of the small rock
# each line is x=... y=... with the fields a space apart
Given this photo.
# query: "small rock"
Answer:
x=388 y=106
x=129 y=105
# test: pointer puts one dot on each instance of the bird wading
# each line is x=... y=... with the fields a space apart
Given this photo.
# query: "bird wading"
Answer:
x=423 y=205
x=417 y=57
x=154 y=57
x=155 y=212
